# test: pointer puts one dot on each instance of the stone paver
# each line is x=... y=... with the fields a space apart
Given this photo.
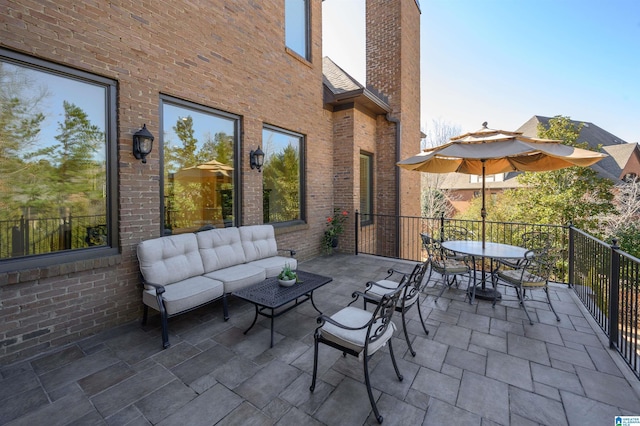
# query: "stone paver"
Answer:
x=479 y=365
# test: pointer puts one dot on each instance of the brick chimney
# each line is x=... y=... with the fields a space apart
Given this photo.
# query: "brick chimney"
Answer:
x=393 y=68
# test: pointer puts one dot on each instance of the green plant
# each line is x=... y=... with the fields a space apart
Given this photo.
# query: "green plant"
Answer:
x=287 y=273
x=335 y=227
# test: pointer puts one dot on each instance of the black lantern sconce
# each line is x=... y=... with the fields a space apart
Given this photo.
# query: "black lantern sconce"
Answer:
x=142 y=143
x=256 y=159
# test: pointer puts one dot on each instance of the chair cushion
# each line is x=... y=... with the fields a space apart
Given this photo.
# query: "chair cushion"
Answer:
x=238 y=276
x=514 y=276
x=170 y=259
x=185 y=294
x=450 y=266
x=220 y=248
x=377 y=291
x=273 y=265
x=355 y=339
x=258 y=242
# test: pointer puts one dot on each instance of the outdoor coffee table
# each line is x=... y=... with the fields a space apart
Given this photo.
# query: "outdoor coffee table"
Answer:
x=268 y=295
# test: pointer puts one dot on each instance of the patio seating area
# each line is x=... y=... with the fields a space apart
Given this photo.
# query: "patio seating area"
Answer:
x=478 y=365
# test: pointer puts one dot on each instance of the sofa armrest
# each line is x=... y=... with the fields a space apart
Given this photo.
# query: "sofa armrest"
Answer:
x=159 y=288
x=292 y=253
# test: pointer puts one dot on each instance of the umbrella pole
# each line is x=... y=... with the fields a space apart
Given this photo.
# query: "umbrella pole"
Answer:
x=483 y=211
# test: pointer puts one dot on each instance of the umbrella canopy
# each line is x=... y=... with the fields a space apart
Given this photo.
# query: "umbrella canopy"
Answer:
x=490 y=151
x=499 y=151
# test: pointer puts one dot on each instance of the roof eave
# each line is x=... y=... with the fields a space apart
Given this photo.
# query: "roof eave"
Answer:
x=363 y=97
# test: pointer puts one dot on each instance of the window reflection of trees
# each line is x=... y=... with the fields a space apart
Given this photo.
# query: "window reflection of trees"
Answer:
x=52 y=176
x=198 y=177
x=281 y=176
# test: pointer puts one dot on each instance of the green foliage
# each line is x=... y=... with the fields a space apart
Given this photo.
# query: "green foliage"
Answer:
x=287 y=273
x=184 y=155
x=282 y=177
x=628 y=236
x=335 y=227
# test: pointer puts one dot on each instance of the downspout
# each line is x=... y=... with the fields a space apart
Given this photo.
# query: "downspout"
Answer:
x=398 y=124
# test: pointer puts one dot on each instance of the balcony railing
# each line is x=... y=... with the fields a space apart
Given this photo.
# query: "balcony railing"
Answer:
x=399 y=237
x=24 y=236
x=605 y=279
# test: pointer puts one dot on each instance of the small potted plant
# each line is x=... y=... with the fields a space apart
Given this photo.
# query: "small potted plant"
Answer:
x=335 y=228
x=287 y=277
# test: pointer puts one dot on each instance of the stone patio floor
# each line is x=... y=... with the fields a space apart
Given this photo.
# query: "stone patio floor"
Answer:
x=478 y=366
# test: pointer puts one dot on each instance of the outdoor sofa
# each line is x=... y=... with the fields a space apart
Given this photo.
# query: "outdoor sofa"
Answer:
x=185 y=271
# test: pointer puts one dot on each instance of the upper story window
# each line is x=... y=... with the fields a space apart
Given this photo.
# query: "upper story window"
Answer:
x=199 y=152
x=282 y=175
x=296 y=17
x=57 y=163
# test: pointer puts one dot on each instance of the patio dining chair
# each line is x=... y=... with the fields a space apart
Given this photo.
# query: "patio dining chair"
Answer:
x=359 y=333
x=532 y=240
x=457 y=233
x=410 y=296
x=532 y=274
x=449 y=268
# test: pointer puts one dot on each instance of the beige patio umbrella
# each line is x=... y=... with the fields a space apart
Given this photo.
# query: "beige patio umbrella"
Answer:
x=489 y=151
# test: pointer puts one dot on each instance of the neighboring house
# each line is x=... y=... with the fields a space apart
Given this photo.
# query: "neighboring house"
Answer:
x=623 y=163
x=212 y=82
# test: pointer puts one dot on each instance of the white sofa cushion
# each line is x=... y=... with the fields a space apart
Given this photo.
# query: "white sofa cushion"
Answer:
x=185 y=294
x=220 y=248
x=170 y=259
x=238 y=276
x=258 y=242
x=273 y=265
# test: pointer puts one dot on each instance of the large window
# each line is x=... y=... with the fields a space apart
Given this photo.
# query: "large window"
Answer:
x=282 y=175
x=57 y=162
x=296 y=24
x=199 y=146
x=366 y=188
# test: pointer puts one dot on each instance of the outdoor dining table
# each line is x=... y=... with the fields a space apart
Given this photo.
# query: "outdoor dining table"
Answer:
x=493 y=251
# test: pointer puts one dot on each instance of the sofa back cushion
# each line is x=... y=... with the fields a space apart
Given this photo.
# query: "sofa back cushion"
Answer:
x=258 y=242
x=170 y=259
x=220 y=248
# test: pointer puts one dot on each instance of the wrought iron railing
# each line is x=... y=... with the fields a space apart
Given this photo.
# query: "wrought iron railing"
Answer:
x=605 y=279
x=25 y=236
x=399 y=236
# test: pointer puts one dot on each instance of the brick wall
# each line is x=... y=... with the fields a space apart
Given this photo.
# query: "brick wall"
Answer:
x=225 y=55
x=393 y=45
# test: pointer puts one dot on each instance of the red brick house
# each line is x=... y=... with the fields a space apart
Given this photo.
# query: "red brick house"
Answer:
x=211 y=82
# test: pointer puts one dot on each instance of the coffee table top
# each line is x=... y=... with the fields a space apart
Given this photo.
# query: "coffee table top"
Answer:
x=270 y=294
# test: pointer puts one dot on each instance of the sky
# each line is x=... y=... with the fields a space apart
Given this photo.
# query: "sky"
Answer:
x=504 y=61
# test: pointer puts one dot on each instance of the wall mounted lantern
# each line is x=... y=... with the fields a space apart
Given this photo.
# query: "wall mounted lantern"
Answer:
x=142 y=143
x=256 y=159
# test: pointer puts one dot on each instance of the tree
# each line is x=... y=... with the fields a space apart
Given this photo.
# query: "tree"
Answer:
x=20 y=121
x=282 y=175
x=179 y=157
x=435 y=200
x=78 y=177
x=575 y=194
x=624 y=223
